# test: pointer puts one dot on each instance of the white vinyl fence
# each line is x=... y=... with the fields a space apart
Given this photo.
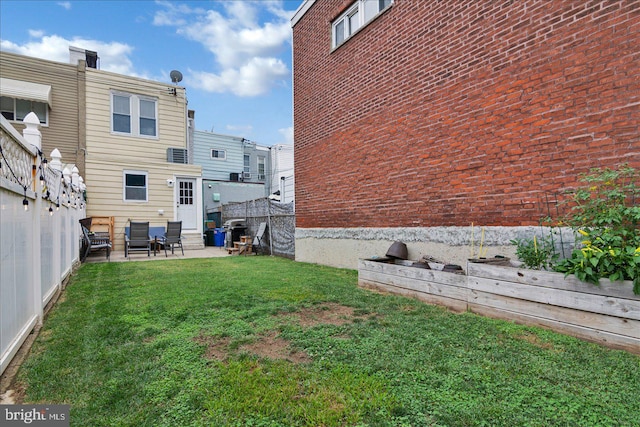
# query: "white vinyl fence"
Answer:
x=39 y=231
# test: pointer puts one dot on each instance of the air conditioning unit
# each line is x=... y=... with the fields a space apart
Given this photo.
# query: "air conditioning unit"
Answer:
x=234 y=177
x=246 y=175
x=262 y=177
x=177 y=155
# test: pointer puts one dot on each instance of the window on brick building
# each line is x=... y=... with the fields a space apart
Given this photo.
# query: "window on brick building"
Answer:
x=355 y=17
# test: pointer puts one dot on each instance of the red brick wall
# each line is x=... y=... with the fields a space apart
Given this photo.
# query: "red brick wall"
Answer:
x=451 y=112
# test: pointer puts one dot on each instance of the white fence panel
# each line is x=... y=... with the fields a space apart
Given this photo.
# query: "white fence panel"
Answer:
x=17 y=302
x=39 y=248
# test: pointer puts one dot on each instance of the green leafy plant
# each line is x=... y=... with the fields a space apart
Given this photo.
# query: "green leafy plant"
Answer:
x=606 y=214
x=536 y=254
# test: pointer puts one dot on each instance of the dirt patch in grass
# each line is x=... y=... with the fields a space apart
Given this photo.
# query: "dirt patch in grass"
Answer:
x=217 y=348
x=535 y=340
x=271 y=346
x=328 y=314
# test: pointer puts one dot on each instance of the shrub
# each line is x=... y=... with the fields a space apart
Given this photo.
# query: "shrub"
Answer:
x=606 y=215
x=534 y=254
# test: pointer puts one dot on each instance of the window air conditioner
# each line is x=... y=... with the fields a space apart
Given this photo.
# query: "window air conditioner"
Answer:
x=246 y=175
x=177 y=155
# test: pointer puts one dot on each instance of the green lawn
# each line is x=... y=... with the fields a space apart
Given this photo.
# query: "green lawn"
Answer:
x=262 y=341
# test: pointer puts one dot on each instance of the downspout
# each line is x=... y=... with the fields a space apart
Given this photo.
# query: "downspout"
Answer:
x=269 y=222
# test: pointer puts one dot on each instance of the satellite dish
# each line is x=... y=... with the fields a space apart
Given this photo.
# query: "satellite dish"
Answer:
x=176 y=76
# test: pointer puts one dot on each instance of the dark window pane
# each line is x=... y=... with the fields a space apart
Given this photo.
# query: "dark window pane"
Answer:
x=148 y=127
x=121 y=123
x=136 y=180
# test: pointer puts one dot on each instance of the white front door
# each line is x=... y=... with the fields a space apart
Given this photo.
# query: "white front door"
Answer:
x=187 y=207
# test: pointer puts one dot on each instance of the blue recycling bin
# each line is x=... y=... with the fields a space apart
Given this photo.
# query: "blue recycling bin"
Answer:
x=218 y=237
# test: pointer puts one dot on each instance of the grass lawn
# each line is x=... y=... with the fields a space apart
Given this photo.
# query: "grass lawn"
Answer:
x=262 y=341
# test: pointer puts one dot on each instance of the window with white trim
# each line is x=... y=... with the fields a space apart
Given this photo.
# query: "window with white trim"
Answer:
x=15 y=109
x=355 y=17
x=261 y=168
x=135 y=186
x=134 y=115
x=247 y=163
x=218 y=154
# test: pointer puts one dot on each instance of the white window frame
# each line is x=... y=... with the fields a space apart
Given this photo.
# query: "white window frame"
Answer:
x=356 y=17
x=154 y=118
x=134 y=114
x=43 y=121
x=247 y=163
x=124 y=186
x=262 y=175
x=219 y=150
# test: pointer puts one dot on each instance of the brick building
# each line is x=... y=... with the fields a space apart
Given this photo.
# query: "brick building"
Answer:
x=414 y=119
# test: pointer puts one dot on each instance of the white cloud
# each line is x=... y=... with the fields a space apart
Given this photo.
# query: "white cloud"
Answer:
x=254 y=78
x=287 y=133
x=245 y=50
x=244 y=130
x=114 y=56
x=36 y=33
x=65 y=4
x=172 y=13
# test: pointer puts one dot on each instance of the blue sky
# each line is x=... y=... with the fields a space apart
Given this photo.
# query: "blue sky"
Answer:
x=235 y=55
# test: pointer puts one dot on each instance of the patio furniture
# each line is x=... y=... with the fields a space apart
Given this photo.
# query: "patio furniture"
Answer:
x=172 y=237
x=138 y=239
x=259 y=238
x=93 y=241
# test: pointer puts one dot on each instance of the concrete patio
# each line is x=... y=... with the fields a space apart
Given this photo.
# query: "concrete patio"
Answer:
x=118 y=256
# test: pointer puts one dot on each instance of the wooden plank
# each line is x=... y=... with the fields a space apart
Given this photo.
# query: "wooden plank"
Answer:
x=103 y=224
x=422 y=286
x=451 y=303
x=608 y=339
x=608 y=315
x=610 y=306
x=551 y=280
x=414 y=273
x=596 y=321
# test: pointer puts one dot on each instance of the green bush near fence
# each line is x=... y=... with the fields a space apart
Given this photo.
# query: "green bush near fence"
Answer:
x=606 y=215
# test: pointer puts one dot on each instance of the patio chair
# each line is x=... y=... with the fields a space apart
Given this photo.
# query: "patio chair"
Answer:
x=94 y=242
x=172 y=237
x=259 y=238
x=138 y=239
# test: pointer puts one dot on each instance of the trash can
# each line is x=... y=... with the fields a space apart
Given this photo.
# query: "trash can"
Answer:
x=209 y=237
x=218 y=236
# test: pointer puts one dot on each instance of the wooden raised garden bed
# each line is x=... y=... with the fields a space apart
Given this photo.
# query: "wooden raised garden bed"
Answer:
x=608 y=314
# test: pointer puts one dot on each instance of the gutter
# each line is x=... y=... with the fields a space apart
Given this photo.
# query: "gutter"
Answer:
x=304 y=7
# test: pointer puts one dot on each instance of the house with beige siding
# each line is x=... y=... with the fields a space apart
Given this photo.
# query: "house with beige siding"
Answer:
x=134 y=129
x=127 y=136
x=55 y=92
